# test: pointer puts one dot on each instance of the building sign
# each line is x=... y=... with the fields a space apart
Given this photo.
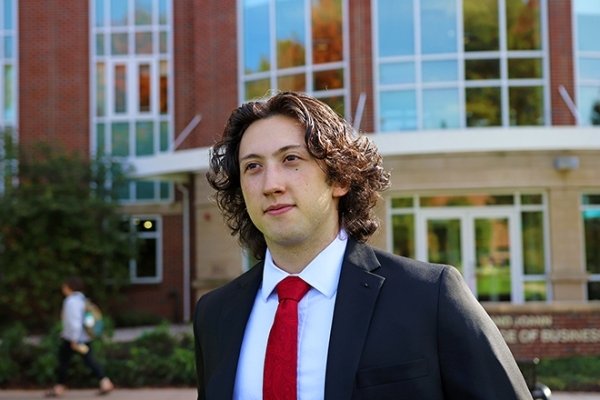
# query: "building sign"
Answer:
x=550 y=334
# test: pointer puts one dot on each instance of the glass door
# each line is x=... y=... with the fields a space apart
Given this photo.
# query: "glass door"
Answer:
x=478 y=243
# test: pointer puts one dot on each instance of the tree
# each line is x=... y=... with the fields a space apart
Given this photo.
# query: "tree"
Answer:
x=58 y=217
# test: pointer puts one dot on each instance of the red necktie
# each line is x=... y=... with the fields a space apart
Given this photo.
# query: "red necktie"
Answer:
x=280 y=373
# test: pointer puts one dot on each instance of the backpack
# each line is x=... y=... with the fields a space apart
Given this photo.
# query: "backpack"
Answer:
x=92 y=320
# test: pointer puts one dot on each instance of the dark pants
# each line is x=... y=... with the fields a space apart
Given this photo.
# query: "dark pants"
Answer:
x=65 y=353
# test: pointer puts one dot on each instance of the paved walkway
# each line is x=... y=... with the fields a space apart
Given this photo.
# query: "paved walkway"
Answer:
x=185 y=394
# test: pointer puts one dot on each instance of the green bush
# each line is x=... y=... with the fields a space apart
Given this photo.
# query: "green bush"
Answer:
x=581 y=373
x=156 y=358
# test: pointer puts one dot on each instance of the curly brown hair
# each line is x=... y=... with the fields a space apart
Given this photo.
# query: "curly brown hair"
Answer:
x=348 y=159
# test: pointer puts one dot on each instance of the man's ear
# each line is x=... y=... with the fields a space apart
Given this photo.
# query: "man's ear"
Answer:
x=339 y=190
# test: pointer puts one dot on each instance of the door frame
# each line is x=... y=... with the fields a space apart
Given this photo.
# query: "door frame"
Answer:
x=467 y=217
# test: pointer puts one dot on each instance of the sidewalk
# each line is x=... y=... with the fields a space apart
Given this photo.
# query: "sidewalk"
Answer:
x=185 y=394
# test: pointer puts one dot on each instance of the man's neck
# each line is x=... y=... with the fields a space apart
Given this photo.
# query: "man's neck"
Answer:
x=292 y=259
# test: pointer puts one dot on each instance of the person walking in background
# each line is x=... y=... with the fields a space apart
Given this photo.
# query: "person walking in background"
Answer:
x=324 y=315
x=75 y=340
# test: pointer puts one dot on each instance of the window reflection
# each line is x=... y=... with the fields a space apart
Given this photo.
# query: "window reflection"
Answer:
x=482 y=69
x=398 y=111
x=440 y=71
x=587 y=15
x=526 y=106
x=290 y=33
x=533 y=242
x=118 y=12
x=491 y=65
x=483 y=107
x=327 y=34
x=144 y=87
x=395 y=27
x=440 y=109
x=523 y=24
x=257 y=54
x=318 y=70
x=120 y=89
x=120 y=139
x=439 y=16
x=143 y=12
x=292 y=82
x=480 y=25
x=144 y=138
x=324 y=80
x=524 y=68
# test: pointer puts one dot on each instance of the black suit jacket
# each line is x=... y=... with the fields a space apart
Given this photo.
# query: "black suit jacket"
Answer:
x=402 y=329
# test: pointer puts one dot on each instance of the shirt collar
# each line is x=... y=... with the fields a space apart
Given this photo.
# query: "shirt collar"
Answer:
x=322 y=273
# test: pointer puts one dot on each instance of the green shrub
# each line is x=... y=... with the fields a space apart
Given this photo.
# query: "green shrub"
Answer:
x=156 y=358
x=581 y=373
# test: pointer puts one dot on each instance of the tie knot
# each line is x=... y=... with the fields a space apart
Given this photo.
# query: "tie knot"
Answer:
x=292 y=288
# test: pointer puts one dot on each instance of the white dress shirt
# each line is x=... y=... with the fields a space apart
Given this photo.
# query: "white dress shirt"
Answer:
x=315 y=314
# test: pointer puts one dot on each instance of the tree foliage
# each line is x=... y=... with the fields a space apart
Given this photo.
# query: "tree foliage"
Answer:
x=58 y=217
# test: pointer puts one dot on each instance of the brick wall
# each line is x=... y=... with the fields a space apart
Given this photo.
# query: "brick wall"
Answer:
x=361 y=61
x=553 y=331
x=54 y=72
x=215 y=67
x=560 y=40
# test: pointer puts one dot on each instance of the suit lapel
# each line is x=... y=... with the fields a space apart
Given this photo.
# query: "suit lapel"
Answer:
x=232 y=324
x=356 y=297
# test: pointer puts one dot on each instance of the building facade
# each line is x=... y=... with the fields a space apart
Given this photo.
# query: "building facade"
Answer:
x=487 y=114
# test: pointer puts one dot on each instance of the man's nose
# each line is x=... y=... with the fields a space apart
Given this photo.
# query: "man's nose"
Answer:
x=273 y=181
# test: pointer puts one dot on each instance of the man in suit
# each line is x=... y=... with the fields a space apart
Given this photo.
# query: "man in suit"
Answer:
x=298 y=187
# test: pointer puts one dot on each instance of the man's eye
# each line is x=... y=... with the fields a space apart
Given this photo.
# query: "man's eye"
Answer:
x=291 y=157
x=250 y=166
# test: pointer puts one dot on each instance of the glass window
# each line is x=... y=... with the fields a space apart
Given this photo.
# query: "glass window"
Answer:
x=591 y=226
x=290 y=34
x=526 y=105
x=327 y=35
x=257 y=54
x=395 y=28
x=398 y=110
x=481 y=28
x=532 y=232
x=481 y=52
x=523 y=25
x=144 y=140
x=294 y=45
x=440 y=109
x=147 y=265
x=118 y=12
x=404 y=235
x=132 y=83
x=439 y=16
x=483 y=107
x=440 y=71
x=587 y=15
x=143 y=12
x=8 y=68
x=397 y=73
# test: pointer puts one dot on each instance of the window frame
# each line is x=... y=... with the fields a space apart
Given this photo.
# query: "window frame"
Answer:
x=587 y=207
x=461 y=84
x=516 y=209
x=309 y=69
x=132 y=115
x=140 y=236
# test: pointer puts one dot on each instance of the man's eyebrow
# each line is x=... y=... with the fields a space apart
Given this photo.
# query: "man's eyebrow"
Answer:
x=276 y=152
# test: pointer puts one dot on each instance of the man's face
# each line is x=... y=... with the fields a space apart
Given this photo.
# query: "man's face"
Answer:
x=286 y=192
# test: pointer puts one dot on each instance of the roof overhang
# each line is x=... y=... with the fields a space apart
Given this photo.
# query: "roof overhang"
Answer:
x=179 y=165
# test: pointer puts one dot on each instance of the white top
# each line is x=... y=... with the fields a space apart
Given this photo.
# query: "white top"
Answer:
x=72 y=318
x=315 y=314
